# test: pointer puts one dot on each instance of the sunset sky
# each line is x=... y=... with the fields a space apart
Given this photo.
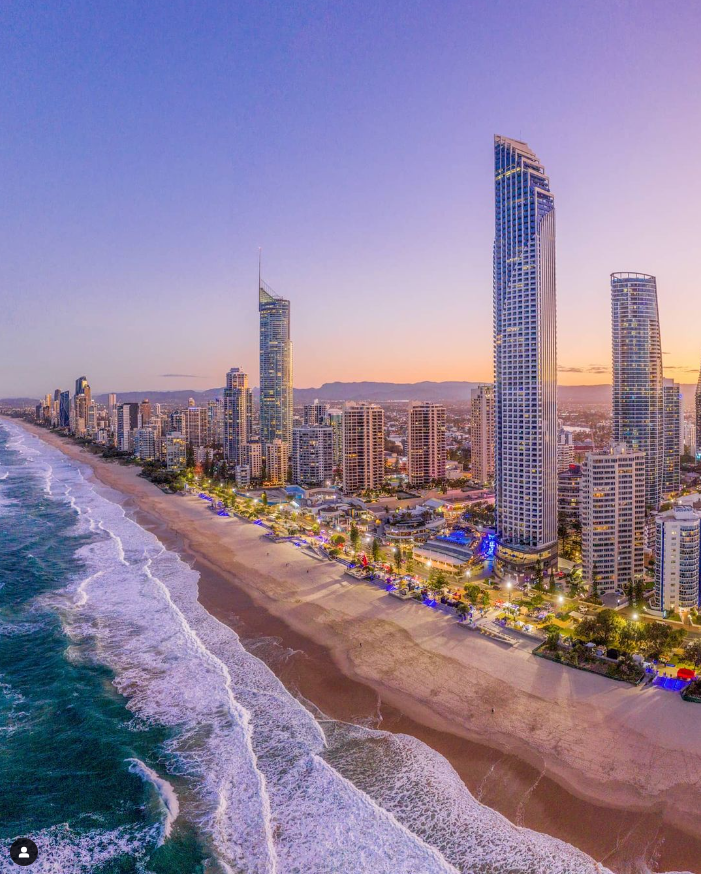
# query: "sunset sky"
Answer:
x=148 y=149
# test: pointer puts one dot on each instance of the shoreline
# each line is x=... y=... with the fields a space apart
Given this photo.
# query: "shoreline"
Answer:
x=535 y=757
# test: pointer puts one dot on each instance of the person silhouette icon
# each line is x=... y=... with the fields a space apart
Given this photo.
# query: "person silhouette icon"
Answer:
x=24 y=851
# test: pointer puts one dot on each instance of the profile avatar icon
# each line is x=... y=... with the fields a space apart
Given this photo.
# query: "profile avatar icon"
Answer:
x=24 y=851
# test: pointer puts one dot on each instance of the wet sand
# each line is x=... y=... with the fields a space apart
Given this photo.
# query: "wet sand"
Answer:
x=606 y=767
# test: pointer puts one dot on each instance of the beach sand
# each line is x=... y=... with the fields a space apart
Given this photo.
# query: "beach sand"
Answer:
x=610 y=768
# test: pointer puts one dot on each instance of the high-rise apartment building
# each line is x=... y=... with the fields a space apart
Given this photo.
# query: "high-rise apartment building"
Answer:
x=145 y=443
x=81 y=386
x=237 y=415
x=690 y=436
x=145 y=412
x=677 y=559
x=697 y=416
x=426 y=453
x=215 y=422
x=612 y=495
x=316 y=413
x=312 y=455
x=525 y=359
x=671 y=431
x=251 y=454
x=277 y=459
x=127 y=423
x=195 y=425
x=363 y=446
x=637 y=374
x=569 y=495
x=275 y=367
x=482 y=433
x=335 y=418
x=64 y=410
x=176 y=451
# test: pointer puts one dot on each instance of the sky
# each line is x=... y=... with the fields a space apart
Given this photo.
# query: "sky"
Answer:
x=148 y=150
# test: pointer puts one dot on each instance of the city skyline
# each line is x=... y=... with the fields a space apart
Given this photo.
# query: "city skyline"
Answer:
x=113 y=233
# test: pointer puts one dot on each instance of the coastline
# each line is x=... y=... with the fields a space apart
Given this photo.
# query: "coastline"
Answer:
x=536 y=757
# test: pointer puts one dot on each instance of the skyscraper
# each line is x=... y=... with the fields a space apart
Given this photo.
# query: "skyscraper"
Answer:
x=426 y=455
x=64 y=410
x=312 y=455
x=671 y=430
x=363 y=446
x=612 y=496
x=277 y=457
x=697 y=418
x=677 y=555
x=127 y=423
x=316 y=413
x=275 y=367
x=482 y=433
x=637 y=373
x=525 y=358
x=80 y=385
x=237 y=415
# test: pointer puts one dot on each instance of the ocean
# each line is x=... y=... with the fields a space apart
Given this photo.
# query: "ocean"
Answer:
x=138 y=734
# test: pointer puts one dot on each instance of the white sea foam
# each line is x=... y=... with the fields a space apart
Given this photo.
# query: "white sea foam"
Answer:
x=273 y=789
x=166 y=793
x=64 y=851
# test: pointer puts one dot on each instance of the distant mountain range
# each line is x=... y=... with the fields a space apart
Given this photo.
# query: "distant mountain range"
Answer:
x=336 y=392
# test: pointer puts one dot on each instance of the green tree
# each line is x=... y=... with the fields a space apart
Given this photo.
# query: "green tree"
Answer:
x=437 y=580
x=354 y=537
x=538 y=576
x=692 y=652
x=472 y=591
x=604 y=627
x=189 y=456
x=376 y=549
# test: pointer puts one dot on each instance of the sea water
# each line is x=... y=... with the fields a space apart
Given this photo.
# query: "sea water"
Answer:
x=137 y=734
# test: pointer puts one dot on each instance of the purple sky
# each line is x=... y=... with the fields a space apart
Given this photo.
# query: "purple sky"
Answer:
x=148 y=149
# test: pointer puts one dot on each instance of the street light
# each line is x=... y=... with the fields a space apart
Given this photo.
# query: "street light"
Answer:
x=635 y=617
x=508 y=590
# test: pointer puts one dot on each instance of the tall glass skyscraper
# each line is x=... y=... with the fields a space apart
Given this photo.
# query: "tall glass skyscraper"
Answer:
x=275 y=367
x=525 y=358
x=637 y=374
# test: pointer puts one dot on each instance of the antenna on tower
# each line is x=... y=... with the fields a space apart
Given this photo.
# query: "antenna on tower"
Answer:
x=260 y=258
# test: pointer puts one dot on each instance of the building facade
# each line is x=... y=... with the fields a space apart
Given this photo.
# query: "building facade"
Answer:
x=275 y=367
x=363 y=447
x=316 y=414
x=482 y=433
x=637 y=374
x=127 y=423
x=612 y=495
x=312 y=455
x=569 y=496
x=237 y=415
x=525 y=359
x=176 y=451
x=277 y=459
x=426 y=452
x=677 y=559
x=697 y=416
x=671 y=437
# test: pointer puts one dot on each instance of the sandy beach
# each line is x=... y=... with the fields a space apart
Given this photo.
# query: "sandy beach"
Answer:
x=612 y=769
